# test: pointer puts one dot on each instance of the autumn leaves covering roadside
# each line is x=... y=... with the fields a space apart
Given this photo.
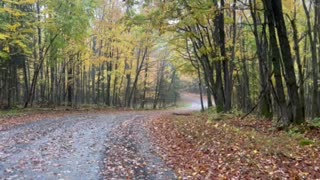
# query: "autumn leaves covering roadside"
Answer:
x=206 y=146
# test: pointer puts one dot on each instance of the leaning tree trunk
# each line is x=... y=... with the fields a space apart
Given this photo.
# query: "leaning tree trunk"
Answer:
x=276 y=60
x=265 y=103
x=295 y=101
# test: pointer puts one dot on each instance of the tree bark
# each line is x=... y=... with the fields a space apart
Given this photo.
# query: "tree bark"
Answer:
x=265 y=104
x=295 y=102
x=298 y=60
x=225 y=63
x=313 y=44
x=276 y=60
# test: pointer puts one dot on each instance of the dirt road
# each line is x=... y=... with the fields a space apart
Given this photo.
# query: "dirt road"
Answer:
x=87 y=146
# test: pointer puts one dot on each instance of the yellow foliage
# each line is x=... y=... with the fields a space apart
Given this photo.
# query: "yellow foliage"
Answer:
x=28 y=1
x=288 y=6
x=14 y=27
x=6 y=49
x=12 y=12
x=3 y=36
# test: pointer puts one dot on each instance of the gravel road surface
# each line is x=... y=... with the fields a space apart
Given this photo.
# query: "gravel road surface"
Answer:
x=86 y=146
x=65 y=148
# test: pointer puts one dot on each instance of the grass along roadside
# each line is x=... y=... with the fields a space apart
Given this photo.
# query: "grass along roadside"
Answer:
x=233 y=148
x=12 y=118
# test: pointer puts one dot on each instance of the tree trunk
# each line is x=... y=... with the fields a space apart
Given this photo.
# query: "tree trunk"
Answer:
x=313 y=44
x=265 y=104
x=108 y=98
x=225 y=63
x=200 y=88
x=70 y=85
x=276 y=60
x=26 y=80
x=139 y=68
x=145 y=83
x=295 y=102
x=298 y=60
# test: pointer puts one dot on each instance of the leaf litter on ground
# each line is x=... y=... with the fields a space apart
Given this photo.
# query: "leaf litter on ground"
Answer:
x=200 y=149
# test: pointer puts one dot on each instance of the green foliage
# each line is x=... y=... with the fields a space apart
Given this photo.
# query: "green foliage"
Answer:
x=295 y=132
x=306 y=142
x=315 y=122
x=4 y=55
x=298 y=133
x=11 y=113
x=214 y=115
x=16 y=28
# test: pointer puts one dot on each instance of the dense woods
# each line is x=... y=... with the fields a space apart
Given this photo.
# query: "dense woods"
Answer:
x=257 y=56
x=81 y=52
x=113 y=89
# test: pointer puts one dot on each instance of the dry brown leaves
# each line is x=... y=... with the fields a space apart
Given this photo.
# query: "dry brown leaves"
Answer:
x=122 y=160
x=198 y=149
x=9 y=122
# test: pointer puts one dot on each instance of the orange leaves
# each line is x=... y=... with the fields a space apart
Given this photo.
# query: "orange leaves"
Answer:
x=232 y=149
